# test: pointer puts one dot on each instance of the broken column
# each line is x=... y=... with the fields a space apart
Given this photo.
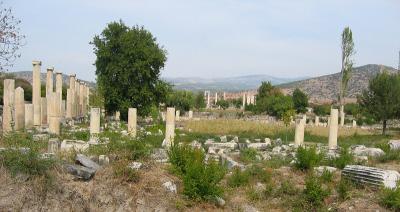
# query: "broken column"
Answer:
x=54 y=113
x=28 y=116
x=117 y=116
x=177 y=115
x=372 y=176
x=169 y=127
x=36 y=96
x=49 y=89
x=8 y=105
x=333 y=129
x=19 y=109
x=77 y=105
x=316 y=120
x=354 y=123
x=132 y=120
x=43 y=110
x=94 y=123
x=190 y=114
x=299 y=133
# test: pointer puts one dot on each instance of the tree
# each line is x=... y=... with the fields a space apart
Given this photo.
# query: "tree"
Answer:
x=199 y=101
x=267 y=89
x=128 y=64
x=300 y=101
x=347 y=64
x=382 y=99
x=181 y=100
x=10 y=37
x=223 y=104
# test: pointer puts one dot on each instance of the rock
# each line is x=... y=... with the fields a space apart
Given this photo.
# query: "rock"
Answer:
x=104 y=160
x=361 y=150
x=394 y=144
x=135 y=165
x=220 y=202
x=80 y=172
x=267 y=141
x=372 y=176
x=320 y=169
x=86 y=162
x=53 y=145
x=159 y=155
x=77 y=145
x=196 y=145
x=278 y=142
x=170 y=186
x=285 y=147
x=265 y=156
x=223 y=139
x=40 y=137
x=236 y=139
x=361 y=159
x=258 y=146
x=247 y=141
x=47 y=156
x=277 y=149
x=227 y=145
x=231 y=163
x=257 y=140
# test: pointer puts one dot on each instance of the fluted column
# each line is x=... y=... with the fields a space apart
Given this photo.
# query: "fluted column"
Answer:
x=36 y=98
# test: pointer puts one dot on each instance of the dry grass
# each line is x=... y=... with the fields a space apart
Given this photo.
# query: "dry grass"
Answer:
x=230 y=126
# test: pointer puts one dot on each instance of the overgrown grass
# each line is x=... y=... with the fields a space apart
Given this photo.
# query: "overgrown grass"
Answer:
x=124 y=172
x=248 y=155
x=200 y=180
x=314 y=193
x=390 y=198
x=238 y=178
x=345 y=158
x=307 y=158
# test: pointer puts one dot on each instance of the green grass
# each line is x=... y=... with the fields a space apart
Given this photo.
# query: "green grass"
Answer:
x=390 y=198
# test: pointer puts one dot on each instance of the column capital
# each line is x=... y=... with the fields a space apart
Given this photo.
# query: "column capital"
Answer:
x=58 y=72
x=72 y=75
x=50 y=69
x=36 y=62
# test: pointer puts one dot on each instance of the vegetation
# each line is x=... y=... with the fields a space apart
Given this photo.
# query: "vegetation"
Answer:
x=307 y=158
x=199 y=101
x=238 y=178
x=314 y=192
x=181 y=100
x=300 y=101
x=223 y=104
x=128 y=64
x=390 y=198
x=382 y=99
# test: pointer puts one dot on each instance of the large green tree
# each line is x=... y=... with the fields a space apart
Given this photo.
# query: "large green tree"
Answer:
x=300 y=101
x=128 y=65
x=347 y=64
x=382 y=98
x=181 y=100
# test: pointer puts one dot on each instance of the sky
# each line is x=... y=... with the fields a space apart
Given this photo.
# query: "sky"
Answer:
x=214 y=38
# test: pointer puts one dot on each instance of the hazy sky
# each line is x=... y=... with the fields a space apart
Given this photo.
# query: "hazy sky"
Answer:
x=215 y=38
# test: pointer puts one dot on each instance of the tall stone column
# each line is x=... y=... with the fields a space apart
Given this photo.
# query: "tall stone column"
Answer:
x=216 y=98
x=54 y=113
x=19 y=109
x=71 y=103
x=8 y=105
x=87 y=95
x=224 y=96
x=132 y=121
x=59 y=83
x=28 y=116
x=299 y=133
x=342 y=115
x=43 y=107
x=333 y=129
x=49 y=80
x=208 y=99
x=169 y=127
x=94 y=121
x=177 y=115
x=82 y=96
x=316 y=120
x=244 y=101
x=77 y=105
x=36 y=98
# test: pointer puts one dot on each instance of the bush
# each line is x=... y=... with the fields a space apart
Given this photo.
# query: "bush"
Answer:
x=345 y=158
x=200 y=179
x=314 y=193
x=248 y=155
x=307 y=158
x=390 y=198
x=326 y=176
x=238 y=178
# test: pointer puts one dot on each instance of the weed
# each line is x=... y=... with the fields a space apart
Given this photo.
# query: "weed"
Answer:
x=345 y=158
x=307 y=158
x=124 y=172
x=326 y=176
x=248 y=155
x=390 y=198
x=314 y=193
x=287 y=188
x=344 y=187
x=238 y=178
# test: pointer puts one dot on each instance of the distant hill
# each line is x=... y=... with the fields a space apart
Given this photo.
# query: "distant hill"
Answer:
x=27 y=75
x=239 y=83
x=326 y=87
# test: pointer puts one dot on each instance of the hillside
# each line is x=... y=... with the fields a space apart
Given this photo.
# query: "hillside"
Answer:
x=326 y=87
x=239 y=83
x=27 y=75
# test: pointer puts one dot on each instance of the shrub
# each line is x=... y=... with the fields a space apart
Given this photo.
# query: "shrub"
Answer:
x=200 y=179
x=326 y=176
x=390 y=198
x=307 y=158
x=314 y=193
x=248 y=155
x=344 y=188
x=257 y=172
x=238 y=178
x=287 y=188
x=345 y=158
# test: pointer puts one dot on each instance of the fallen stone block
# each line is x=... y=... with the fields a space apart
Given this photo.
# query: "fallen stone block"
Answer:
x=104 y=160
x=40 y=137
x=170 y=186
x=361 y=150
x=231 y=163
x=159 y=155
x=227 y=145
x=80 y=172
x=53 y=145
x=372 y=176
x=223 y=139
x=86 y=162
x=258 y=146
x=320 y=169
x=135 y=165
x=394 y=144
x=77 y=145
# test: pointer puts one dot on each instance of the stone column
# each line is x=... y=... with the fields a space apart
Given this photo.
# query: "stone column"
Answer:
x=71 y=103
x=132 y=120
x=354 y=123
x=54 y=113
x=117 y=116
x=77 y=105
x=208 y=99
x=59 y=83
x=244 y=101
x=342 y=115
x=82 y=96
x=224 y=96
x=8 y=105
x=28 y=116
x=299 y=133
x=316 y=120
x=36 y=98
x=333 y=129
x=63 y=108
x=177 y=115
x=216 y=98
x=19 y=109
x=49 y=80
x=190 y=114
x=94 y=121
x=43 y=110
x=169 y=127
